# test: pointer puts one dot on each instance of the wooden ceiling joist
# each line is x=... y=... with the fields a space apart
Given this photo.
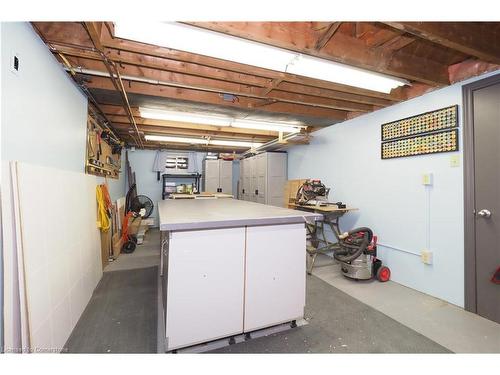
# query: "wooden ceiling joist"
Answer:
x=478 y=39
x=428 y=54
x=205 y=84
x=208 y=97
x=325 y=38
x=342 y=48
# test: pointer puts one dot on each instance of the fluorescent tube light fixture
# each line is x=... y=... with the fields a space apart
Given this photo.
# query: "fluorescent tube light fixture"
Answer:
x=264 y=125
x=159 y=114
x=201 y=141
x=216 y=142
x=209 y=43
x=198 y=118
x=165 y=138
x=341 y=73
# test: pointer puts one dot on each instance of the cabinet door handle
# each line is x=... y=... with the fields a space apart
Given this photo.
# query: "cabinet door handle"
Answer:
x=256 y=192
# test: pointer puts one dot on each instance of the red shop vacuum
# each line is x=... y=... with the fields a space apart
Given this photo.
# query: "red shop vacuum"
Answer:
x=357 y=255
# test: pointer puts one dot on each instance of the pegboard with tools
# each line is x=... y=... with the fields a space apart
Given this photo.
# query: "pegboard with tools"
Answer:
x=103 y=150
x=441 y=119
x=444 y=141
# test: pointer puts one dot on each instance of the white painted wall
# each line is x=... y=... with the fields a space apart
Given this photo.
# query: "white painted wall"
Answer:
x=44 y=114
x=390 y=196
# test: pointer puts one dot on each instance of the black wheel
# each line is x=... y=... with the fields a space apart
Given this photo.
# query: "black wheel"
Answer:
x=128 y=247
x=293 y=324
x=133 y=238
x=232 y=341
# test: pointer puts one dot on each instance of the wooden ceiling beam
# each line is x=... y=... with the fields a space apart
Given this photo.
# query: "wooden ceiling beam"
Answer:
x=397 y=43
x=478 y=39
x=147 y=129
x=343 y=48
x=186 y=57
x=214 y=98
x=128 y=58
x=317 y=91
x=205 y=84
x=94 y=29
x=153 y=145
x=230 y=131
x=325 y=38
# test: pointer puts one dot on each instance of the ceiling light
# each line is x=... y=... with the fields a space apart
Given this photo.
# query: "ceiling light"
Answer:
x=335 y=72
x=264 y=125
x=204 y=42
x=165 y=138
x=222 y=46
x=159 y=114
x=201 y=141
x=216 y=142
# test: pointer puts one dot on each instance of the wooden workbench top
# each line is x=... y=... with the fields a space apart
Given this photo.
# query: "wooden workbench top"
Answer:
x=193 y=214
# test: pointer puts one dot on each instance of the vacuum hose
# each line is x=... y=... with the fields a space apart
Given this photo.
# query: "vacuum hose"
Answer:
x=353 y=244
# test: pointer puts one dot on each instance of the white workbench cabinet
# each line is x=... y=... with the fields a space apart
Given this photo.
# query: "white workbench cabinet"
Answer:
x=205 y=286
x=230 y=267
x=275 y=275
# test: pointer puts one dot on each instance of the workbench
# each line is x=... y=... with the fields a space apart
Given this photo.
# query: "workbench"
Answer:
x=230 y=267
x=318 y=244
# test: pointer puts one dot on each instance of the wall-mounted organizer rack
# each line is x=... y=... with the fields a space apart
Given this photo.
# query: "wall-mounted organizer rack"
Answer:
x=103 y=150
x=441 y=119
x=444 y=141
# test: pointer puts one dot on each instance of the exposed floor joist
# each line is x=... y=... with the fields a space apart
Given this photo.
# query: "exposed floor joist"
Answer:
x=478 y=39
x=429 y=55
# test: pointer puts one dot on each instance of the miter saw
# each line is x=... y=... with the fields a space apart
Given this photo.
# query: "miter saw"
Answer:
x=313 y=193
x=356 y=250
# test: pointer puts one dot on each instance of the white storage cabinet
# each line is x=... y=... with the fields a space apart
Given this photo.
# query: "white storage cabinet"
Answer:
x=219 y=176
x=263 y=178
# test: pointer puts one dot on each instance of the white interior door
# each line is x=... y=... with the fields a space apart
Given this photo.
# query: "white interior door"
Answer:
x=226 y=176
x=205 y=286
x=261 y=171
x=275 y=275
x=211 y=175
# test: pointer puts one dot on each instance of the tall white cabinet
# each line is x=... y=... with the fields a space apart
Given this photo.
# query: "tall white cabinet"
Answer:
x=219 y=176
x=263 y=178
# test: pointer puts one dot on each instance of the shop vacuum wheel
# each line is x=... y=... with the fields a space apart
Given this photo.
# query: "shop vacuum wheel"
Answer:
x=383 y=274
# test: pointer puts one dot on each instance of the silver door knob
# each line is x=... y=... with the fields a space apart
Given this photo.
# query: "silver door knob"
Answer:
x=484 y=213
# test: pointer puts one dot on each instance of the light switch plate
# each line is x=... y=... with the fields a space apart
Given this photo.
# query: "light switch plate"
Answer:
x=454 y=161
x=427 y=179
x=426 y=256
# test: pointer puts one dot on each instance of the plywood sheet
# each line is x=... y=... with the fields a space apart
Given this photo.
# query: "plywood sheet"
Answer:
x=61 y=244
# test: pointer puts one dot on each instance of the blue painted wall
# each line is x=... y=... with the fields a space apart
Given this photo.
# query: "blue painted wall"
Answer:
x=407 y=216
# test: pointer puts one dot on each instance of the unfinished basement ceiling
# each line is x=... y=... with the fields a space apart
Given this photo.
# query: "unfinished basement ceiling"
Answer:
x=149 y=101
x=428 y=55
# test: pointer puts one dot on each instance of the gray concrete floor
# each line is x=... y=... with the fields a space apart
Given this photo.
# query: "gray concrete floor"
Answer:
x=145 y=255
x=446 y=324
x=450 y=326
